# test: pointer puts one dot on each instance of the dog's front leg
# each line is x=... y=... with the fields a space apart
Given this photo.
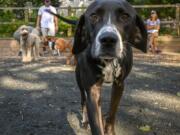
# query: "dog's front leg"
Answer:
x=94 y=110
x=24 y=50
x=117 y=90
x=29 y=53
x=36 y=48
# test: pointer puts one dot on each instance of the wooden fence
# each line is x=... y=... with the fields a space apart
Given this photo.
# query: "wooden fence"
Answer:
x=30 y=12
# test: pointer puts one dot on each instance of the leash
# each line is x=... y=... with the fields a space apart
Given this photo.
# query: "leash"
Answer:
x=72 y=22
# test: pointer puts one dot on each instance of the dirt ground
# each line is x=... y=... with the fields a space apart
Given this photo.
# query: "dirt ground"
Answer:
x=42 y=98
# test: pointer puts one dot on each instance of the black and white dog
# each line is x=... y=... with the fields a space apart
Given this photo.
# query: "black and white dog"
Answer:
x=103 y=39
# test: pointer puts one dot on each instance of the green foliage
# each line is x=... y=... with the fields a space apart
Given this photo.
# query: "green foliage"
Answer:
x=7 y=30
x=6 y=15
x=141 y=2
x=21 y=3
x=17 y=16
x=63 y=27
x=163 y=13
x=168 y=31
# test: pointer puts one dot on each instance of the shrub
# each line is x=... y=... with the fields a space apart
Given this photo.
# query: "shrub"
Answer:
x=7 y=30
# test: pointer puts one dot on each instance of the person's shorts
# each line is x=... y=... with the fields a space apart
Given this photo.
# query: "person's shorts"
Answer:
x=47 y=32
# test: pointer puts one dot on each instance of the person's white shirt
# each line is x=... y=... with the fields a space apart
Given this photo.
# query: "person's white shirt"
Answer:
x=47 y=20
x=153 y=23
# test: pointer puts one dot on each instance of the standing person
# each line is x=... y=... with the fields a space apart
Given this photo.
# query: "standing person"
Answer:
x=47 y=23
x=153 y=27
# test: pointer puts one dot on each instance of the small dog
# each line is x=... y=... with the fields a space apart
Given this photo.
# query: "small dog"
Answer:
x=62 y=46
x=29 y=43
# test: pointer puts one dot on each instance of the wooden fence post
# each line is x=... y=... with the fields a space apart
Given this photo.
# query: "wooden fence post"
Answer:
x=178 y=18
x=26 y=15
x=28 y=11
x=69 y=11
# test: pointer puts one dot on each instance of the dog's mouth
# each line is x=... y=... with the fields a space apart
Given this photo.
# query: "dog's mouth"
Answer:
x=24 y=34
x=107 y=55
x=107 y=58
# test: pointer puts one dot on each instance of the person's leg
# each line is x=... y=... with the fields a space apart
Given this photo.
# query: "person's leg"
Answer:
x=51 y=43
x=153 y=45
x=44 y=37
x=150 y=41
x=155 y=42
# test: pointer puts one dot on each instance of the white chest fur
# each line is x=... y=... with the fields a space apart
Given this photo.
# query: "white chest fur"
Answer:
x=111 y=71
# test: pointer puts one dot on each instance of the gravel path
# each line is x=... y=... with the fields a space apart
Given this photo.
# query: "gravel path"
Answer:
x=42 y=98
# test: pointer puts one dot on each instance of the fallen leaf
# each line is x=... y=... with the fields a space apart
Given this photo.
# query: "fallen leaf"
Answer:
x=145 y=128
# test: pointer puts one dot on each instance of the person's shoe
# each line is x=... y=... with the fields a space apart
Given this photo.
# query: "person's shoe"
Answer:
x=46 y=51
x=150 y=50
x=20 y=53
x=40 y=54
x=158 y=51
x=55 y=52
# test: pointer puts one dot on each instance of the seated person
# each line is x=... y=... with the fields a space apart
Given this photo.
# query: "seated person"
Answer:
x=153 y=27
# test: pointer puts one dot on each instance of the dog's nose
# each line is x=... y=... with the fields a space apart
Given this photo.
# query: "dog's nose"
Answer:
x=108 y=39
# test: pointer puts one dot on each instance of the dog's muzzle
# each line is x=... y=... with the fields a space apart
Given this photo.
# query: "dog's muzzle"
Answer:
x=108 y=43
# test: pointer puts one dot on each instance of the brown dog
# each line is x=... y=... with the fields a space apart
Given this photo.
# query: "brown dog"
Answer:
x=63 y=46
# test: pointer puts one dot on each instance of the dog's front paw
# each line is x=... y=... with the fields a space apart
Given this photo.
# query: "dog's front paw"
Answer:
x=109 y=128
x=85 y=125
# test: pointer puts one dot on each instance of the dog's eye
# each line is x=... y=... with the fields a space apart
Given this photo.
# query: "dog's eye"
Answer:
x=124 y=17
x=94 y=18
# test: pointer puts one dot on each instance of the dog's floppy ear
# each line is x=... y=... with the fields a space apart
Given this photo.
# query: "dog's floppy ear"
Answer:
x=80 y=39
x=140 y=37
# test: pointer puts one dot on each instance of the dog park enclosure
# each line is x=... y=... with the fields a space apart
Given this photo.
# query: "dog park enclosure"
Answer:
x=27 y=15
x=42 y=98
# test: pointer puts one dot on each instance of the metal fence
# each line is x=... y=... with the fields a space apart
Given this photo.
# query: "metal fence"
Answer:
x=15 y=15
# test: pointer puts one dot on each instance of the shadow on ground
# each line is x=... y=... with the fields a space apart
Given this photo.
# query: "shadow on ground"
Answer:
x=43 y=99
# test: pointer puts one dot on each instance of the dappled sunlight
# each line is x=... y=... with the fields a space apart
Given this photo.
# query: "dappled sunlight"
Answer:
x=26 y=67
x=52 y=69
x=44 y=94
x=154 y=98
x=40 y=94
x=144 y=111
x=164 y=59
x=159 y=63
x=27 y=76
x=14 y=84
x=165 y=64
x=73 y=120
x=123 y=129
x=74 y=123
x=136 y=69
x=143 y=75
